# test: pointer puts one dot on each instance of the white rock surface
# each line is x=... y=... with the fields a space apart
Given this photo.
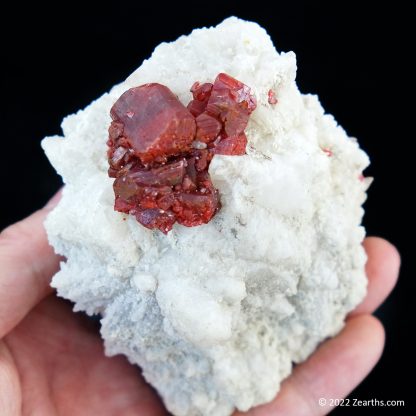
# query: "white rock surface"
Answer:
x=216 y=314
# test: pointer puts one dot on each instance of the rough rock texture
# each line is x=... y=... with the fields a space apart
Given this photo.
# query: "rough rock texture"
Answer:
x=216 y=314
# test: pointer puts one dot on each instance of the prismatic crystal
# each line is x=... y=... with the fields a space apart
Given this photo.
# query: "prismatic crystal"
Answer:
x=160 y=151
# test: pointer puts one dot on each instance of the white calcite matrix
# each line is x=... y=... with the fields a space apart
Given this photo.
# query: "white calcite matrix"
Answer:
x=216 y=315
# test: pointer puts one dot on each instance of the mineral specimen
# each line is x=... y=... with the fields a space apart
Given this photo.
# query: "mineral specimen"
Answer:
x=215 y=315
x=160 y=154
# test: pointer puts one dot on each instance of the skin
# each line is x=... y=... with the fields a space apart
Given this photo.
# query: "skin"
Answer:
x=52 y=360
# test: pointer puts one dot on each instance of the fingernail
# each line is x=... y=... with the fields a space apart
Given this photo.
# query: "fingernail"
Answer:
x=53 y=202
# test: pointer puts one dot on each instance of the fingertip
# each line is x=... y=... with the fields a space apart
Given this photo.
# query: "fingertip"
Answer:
x=382 y=270
x=385 y=249
x=371 y=332
x=53 y=202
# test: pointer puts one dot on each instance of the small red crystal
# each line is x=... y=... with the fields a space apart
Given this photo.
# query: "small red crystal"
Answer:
x=232 y=145
x=207 y=127
x=160 y=151
x=327 y=151
x=271 y=97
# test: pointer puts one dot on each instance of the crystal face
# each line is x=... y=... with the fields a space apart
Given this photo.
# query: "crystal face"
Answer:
x=160 y=151
x=153 y=123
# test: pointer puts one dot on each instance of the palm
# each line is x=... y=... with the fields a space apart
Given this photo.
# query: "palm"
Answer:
x=52 y=360
x=62 y=368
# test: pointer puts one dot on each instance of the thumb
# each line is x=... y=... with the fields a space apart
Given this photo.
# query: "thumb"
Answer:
x=27 y=263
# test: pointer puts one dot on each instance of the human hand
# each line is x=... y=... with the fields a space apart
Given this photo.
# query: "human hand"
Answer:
x=52 y=360
x=341 y=363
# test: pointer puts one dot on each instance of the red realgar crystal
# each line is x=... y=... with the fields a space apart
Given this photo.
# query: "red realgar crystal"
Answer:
x=271 y=97
x=159 y=150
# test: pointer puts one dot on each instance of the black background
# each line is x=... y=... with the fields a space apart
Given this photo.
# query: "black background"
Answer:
x=58 y=58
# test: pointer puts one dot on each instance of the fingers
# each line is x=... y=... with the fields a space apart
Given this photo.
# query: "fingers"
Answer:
x=10 y=394
x=27 y=263
x=331 y=373
x=382 y=270
x=342 y=362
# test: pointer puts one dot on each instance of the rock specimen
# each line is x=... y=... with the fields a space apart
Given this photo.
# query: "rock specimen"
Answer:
x=216 y=314
x=160 y=152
